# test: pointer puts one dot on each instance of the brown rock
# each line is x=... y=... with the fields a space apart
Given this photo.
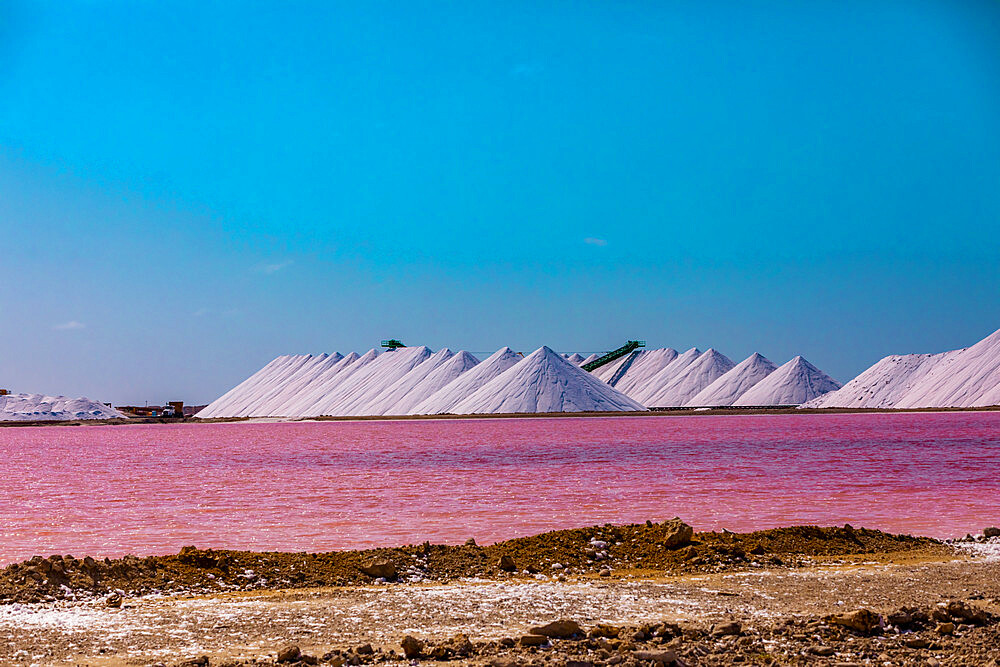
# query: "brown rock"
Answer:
x=289 y=654
x=533 y=640
x=306 y=659
x=557 y=629
x=825 y=651
x=114 y=601
x=364 y=649
x=604 y=630
x=676 y=534
x=723 y=629
x=471 y=542
x=200 y=661
x=506 y=563
x=861 y=620
x=945 y=629
x=384 y=569
x=916 y=642
x=461 y=646
x=662 y=657
x=966 y=613
x=412 y=647
x=992 y=531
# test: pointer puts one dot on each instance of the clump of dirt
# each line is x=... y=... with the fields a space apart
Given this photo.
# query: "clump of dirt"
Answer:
x=669 y=547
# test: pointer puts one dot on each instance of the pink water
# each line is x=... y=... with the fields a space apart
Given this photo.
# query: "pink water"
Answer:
x=316 y=486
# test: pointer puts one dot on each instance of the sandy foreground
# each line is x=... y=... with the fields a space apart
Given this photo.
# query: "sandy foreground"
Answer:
x=930 y=604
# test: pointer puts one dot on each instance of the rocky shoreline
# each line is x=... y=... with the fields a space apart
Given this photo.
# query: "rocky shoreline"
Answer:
x=643 y=594
x=669 y=548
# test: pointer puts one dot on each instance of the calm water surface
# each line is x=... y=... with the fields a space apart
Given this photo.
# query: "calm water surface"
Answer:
x=145 y=489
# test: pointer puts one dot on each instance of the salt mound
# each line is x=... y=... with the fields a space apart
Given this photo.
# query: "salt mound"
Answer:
x=38 y=407
x=793 y=383
x=882 y=385
x=729 y=387
x=447 y=397
x=703 y=371
x=575 y=358
x=297 y=403
x=643 y=368
x=964 y=378
x=269 y=402
x=664 y=376
x=545 y=382
x=590 y=358
x=441 y=368
x=242 y=398
x=353 y=396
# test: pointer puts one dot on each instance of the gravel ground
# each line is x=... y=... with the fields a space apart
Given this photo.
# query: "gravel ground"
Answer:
x=782 y=616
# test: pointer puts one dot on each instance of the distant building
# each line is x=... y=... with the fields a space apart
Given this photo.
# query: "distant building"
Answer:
x=171 y=409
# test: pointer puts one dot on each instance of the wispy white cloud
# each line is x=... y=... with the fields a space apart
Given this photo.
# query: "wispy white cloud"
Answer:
x=202 y=312
x=590 y=240
x=69 y=326
x=274 y=267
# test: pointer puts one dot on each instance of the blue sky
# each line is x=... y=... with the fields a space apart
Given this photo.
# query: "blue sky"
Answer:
x=188 y=189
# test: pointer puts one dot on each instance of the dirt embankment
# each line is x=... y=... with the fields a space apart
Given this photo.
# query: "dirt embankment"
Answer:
x=665 y=548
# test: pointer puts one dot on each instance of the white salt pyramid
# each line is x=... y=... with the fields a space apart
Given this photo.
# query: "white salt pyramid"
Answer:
x=643 y=368
x=664 y=376
x=447 y=397
x=700 y=373
x=545 y=382
x=361 y=389
x=296 y=404
x=440 y=377
x=968 y=377
x=242 y=399
x=793 y=383
x=882 y=385
x=322 y=400
x=276 y=394
x=729 y=387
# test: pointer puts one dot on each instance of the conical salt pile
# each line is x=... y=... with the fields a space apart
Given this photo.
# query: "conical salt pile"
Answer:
x=422 y=382
x=642 y=393
x=296 y=404
x=793 y=383
x=238 y=401
x=545 y=382
x=702 y=372
x=361 y=389
x=964 y=378
x=728 y=388
x=640 y=371
x=445 y=399
x=268 y=403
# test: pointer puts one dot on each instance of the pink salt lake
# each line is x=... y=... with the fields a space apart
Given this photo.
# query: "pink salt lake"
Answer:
x=149 y=489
